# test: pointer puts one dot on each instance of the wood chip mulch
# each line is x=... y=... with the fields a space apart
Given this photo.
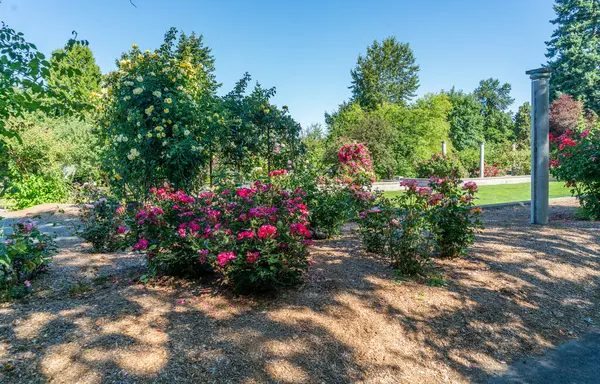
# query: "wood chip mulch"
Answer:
x=522 y=289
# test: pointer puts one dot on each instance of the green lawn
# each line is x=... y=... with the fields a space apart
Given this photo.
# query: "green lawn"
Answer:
x=505 y=193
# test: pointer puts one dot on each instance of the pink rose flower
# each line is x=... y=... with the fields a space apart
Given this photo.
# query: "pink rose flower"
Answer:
x=224 y=257
x=266 y=231
x=252 y=256
x=141 y=244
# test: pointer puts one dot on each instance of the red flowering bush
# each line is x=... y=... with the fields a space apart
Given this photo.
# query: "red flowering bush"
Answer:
x=492 y=170
x=256 y=237
x=575 y=159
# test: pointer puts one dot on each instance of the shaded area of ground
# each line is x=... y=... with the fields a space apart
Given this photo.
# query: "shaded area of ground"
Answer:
x=576 y=362
x=522 y=290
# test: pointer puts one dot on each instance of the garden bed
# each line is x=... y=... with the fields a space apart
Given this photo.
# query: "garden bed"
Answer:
x=523 y=289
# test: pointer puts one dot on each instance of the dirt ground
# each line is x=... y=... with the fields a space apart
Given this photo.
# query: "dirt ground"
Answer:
x=522 y=290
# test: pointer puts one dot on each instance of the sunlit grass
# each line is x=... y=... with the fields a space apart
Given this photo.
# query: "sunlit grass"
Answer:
x=506 y=193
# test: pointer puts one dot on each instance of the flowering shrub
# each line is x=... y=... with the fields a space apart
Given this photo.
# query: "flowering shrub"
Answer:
x=356 y=172
x=374 y=225
x=453 y=217
x=23 y=254
x=255 y=236
x=409 y=228
x=441 y=166
x=157 y=115
x=410 y=247
x=104 y=225
x=328 y=200
x=492 y=170
x=355 y=163
x=576 y=161
x=399 y=228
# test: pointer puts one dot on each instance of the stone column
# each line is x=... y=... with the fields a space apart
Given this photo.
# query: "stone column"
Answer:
x=540 y=146
x=481 y=159
x=444 y=151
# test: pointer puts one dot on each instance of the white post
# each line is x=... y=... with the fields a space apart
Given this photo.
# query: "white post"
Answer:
x=444 y=148
x=481 y=159
x=540 y=146
x=512 y=167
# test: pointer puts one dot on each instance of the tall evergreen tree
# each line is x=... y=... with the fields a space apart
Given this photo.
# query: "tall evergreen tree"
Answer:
x=74 y=75
x=574 y=51
x=388 y=73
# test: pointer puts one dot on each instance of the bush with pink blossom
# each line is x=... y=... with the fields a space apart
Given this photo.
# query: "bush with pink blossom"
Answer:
x=423 y=222
x=104 y=225
x=355 y=163
x=453 y=217
x=23 y=253
x=256 y=237
x=399 y=228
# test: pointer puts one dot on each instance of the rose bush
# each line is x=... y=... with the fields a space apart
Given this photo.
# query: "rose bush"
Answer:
x=438 y=220
x=104 y=225
x=576 y=161
x=23 y=254
x=374 y=225
x=255 y=236
x=355 y=164
x=493 y=170
x=399 y=228
x=328 y=200
x=453 y=217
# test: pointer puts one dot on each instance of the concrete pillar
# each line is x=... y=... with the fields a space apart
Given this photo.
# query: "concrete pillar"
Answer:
x=481 y=159
x=540 y=146
x=444 y=151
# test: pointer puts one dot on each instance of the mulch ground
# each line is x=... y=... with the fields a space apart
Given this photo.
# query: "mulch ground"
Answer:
x=523 y=289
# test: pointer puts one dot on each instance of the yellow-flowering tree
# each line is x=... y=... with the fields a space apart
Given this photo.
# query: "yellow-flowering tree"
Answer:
x=158 y=115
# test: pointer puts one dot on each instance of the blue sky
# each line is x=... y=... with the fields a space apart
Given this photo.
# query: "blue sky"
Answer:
x=307 y=48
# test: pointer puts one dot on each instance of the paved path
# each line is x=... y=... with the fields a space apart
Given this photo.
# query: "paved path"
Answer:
x=57 y=219
x=575 y=362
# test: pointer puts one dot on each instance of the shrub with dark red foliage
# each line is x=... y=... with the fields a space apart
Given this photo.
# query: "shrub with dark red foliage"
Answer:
x=565 y=114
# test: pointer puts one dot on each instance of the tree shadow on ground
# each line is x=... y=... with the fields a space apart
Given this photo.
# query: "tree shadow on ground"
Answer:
x=523 y=289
